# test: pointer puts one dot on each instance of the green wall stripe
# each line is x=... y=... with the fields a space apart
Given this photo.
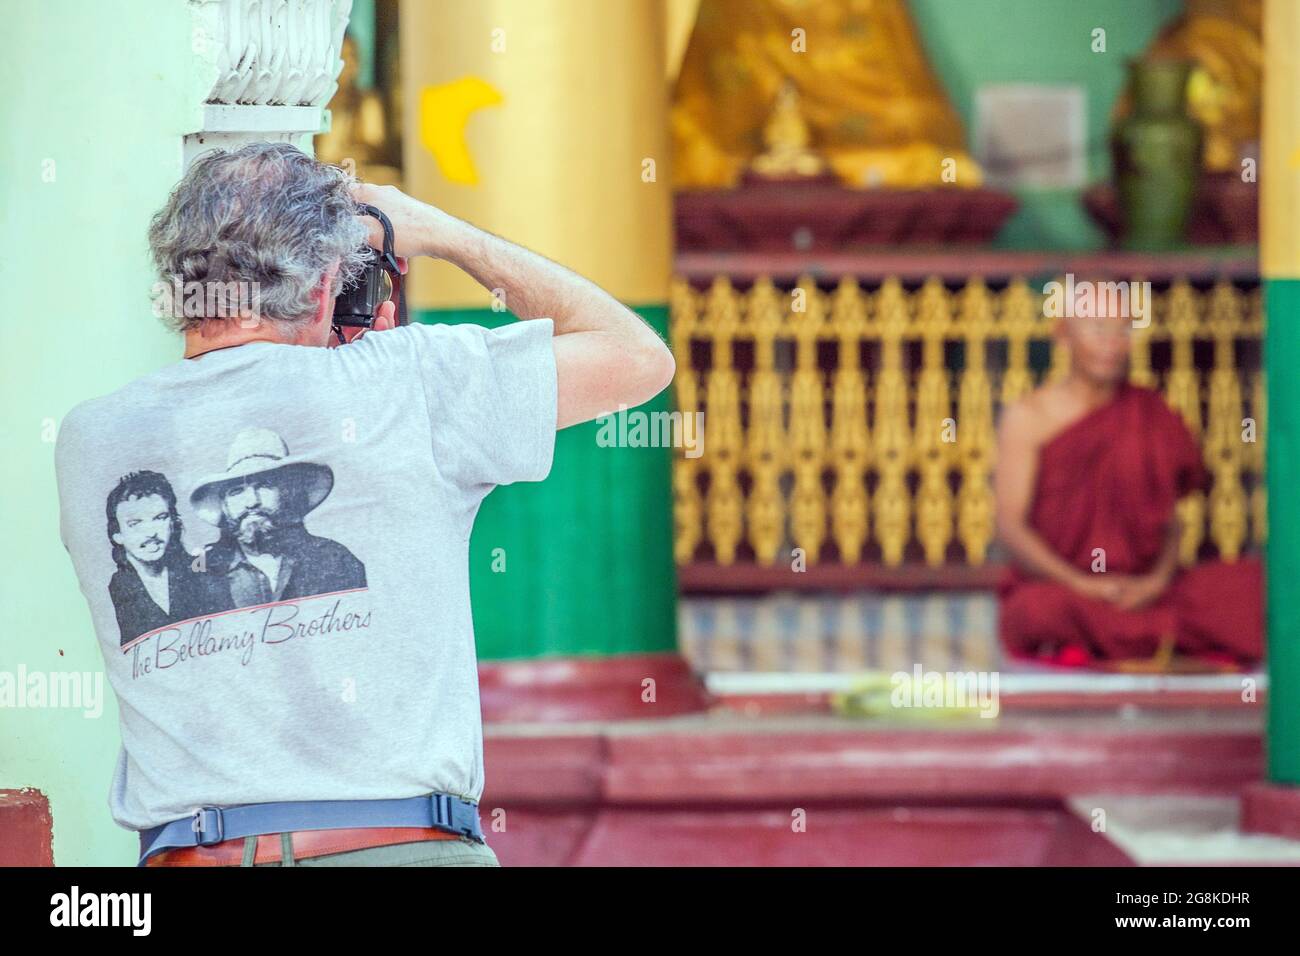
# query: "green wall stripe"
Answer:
x=589 y=561
x=1281 y=361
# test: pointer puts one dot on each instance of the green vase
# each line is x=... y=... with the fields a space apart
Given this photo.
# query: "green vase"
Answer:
x=1157 y=151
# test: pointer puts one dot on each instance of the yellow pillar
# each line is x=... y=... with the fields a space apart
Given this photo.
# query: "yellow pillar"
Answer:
x=545 y=121
x=535 y=119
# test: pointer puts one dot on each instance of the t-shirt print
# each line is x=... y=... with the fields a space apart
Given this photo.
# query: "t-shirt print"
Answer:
x=264 y=558
x=273 y=545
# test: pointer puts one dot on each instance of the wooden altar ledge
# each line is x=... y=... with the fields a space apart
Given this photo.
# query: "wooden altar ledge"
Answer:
x=707 y=577
x=1238 y=264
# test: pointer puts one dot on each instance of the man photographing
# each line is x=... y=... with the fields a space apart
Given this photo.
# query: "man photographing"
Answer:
x=357 y=743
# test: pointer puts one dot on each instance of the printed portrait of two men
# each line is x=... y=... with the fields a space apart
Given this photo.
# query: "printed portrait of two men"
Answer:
x=252 y=548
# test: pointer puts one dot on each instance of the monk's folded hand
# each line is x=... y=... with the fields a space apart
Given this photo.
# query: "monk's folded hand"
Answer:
x=1099 y=587
x=1141 y=590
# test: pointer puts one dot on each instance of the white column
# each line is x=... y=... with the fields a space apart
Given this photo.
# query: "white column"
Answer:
x=273 y=64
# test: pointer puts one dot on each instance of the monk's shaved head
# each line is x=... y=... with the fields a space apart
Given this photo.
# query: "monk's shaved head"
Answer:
x=1095 y=319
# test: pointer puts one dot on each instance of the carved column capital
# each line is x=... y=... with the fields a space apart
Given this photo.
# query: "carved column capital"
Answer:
x=271 y=52
x=275 y=64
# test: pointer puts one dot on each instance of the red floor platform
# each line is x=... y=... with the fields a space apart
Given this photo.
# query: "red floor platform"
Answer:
x=736 y=767
x=639 y=760
x=720 y=789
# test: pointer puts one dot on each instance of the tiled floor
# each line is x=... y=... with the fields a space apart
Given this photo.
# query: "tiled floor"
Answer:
x=838 y=634
x=818 y=644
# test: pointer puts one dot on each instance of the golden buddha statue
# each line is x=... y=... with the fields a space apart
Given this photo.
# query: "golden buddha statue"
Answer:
x=360 y=130
x=866 y=96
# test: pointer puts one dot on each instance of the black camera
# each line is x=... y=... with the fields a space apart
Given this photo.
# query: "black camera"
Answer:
x=379 y=281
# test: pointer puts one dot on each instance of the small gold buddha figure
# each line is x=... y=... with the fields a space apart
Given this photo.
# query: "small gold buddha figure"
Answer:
x=360 y=130
x=788 y=154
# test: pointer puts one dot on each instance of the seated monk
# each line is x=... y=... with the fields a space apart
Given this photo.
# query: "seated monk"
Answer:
x=1089 y=471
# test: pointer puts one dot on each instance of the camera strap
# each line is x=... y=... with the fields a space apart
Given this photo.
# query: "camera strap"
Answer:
x=386 y=259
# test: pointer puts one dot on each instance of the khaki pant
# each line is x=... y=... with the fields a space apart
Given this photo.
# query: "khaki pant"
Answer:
x=460 y=852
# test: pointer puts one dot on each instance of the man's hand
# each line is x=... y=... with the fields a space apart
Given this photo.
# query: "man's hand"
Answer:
x=606 y=356
x=418 y=228
x=385 y=319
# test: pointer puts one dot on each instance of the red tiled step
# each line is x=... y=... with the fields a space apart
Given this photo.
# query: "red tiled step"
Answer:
x=26 y=829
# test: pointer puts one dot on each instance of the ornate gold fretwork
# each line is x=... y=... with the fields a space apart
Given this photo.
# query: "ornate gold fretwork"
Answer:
x=765 y=439
x=935 y=432
x=849 y=435
x=831 y=423
x=724 y=436
x=688 y=506
x=975 y=436
x=1182 y=392
x=890 y=439
x=807 y=428
x=1224 y=448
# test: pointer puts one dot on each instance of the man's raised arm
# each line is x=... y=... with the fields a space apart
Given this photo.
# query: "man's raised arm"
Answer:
x=606 y=356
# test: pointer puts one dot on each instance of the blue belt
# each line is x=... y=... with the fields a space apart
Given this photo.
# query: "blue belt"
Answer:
x=211 y=825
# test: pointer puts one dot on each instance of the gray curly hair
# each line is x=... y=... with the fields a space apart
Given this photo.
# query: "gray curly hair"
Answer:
x=265 y=216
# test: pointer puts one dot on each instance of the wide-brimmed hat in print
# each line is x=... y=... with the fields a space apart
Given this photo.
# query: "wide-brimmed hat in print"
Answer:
x=260 y=451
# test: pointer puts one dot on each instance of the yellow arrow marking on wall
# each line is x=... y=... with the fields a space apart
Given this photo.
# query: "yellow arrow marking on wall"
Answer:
x=444 y=113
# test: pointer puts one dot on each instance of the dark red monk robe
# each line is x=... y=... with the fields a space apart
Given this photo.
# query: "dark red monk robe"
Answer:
x=1111 y=481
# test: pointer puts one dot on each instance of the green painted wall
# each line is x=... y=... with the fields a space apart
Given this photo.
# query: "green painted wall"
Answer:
x=588 y=560
x=1281 y=359
x=972 y=43
x=101 y=91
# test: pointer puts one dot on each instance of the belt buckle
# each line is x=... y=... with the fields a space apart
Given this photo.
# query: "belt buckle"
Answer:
x=197 y=825
x=441 y=806
x=444 y=816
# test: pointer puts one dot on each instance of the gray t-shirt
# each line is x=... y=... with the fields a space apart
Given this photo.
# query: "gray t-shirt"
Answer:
x=273 y=541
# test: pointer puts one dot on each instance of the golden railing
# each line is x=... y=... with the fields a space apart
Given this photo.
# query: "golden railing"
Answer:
x=858 y=425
